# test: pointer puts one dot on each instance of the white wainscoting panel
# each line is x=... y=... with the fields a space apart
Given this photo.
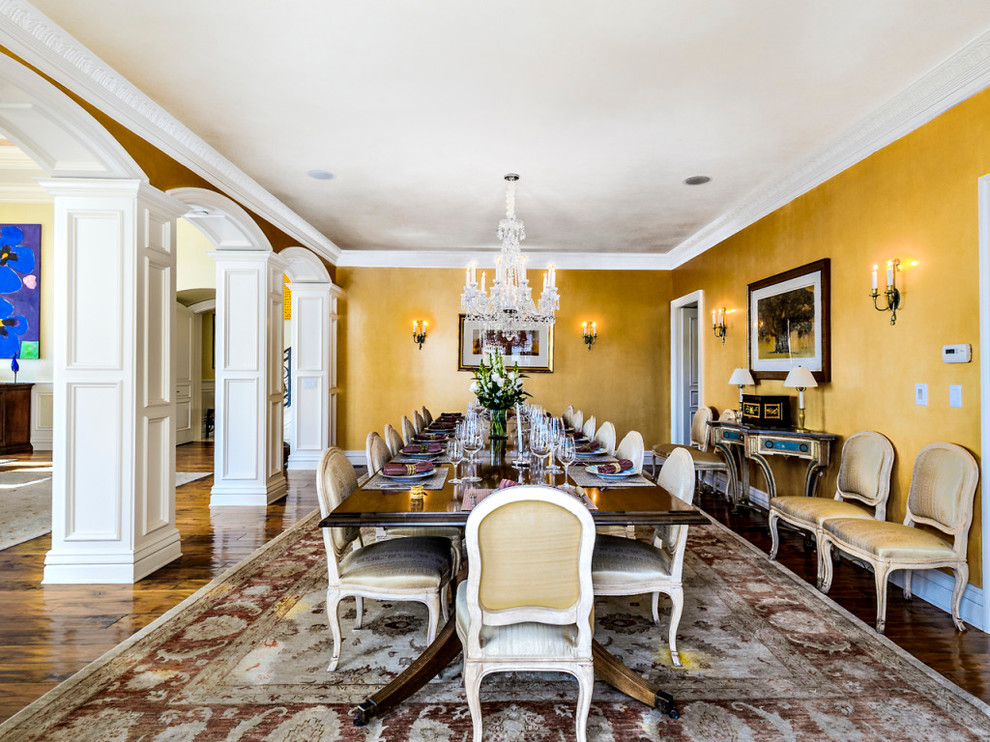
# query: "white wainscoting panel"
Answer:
x=42 y=415
x=311 y=371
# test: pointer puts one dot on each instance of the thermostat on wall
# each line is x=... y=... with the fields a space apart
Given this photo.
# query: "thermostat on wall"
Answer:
x=961 y=353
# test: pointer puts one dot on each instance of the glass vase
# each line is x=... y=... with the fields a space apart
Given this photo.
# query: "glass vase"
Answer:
x=499 y=423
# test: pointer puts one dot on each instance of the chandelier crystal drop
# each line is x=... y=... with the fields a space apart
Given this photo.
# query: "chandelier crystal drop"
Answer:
x=508 y=306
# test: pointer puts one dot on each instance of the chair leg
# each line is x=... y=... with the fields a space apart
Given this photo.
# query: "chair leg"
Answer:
x=433 y=607
x=445 y=602
x=333 y=602
x=880 y=572
x=774 y=536
x=586 y=683
x=359 y=608
x=819 y=554
x=962 y=577
x=826 y=565
x=677 y=606
x=907 y=584
x=655 y=603
x=472 y=689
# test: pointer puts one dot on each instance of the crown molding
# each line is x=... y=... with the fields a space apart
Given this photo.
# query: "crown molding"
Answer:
x=961 y=76
x=44 y=44
x=460 y=258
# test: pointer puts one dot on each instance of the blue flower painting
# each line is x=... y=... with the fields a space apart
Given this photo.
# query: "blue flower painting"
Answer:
x=20 y=290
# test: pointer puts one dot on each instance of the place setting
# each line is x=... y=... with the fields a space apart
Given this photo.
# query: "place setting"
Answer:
x=400 y=476
x=616 y=473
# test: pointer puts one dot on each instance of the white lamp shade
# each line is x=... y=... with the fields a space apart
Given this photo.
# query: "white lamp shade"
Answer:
x=800 y=377
x=741 y=377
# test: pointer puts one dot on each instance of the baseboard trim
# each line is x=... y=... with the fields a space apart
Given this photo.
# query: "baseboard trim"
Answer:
x=357 y=458
x=117 y=568
x=931 y=585
x=304 y=460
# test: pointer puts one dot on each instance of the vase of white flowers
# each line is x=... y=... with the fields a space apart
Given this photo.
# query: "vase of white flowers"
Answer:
x=497 y=389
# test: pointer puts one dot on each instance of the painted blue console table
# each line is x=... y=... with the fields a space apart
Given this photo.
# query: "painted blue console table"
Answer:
x=756 y=444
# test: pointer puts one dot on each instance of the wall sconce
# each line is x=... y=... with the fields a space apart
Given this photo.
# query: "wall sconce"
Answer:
x=891 y=293
x=800 y=378
x=718 y=323
x=590 y=333
x=419 y=332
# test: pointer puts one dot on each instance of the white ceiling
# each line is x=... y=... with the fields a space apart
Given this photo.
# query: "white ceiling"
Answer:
x=602 y=107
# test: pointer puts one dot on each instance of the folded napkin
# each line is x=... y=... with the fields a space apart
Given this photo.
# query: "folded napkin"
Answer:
x=406 y=470
x=591 y=447
x=428 y=436
x=614 y=467
x=451 y=415
x=506 y=483
x=415 y=448
x=441 y=425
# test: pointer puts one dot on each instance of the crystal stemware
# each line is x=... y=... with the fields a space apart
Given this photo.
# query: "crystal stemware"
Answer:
x=455 y=453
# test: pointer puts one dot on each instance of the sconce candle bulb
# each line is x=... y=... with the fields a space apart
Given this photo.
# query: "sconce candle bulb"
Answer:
x=891 y=294
x=419 y=332
x=718 y=323
x=590 y=333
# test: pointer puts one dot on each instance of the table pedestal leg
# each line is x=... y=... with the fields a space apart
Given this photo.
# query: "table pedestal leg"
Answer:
x=624 y=680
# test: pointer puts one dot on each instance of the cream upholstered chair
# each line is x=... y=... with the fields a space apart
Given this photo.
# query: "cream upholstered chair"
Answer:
x=419 y=424
x=392 y=439
x=568 y=416
x=864 y=476
x=408 y=431
x=417 y=569
x=577 y=420
x=624 y=566
x=606 y=436
x=427 y=416
x=590 y=425
x=631 y=447
x=943 y=485
x=377 y=453
x=705 y=461
x=527 y=602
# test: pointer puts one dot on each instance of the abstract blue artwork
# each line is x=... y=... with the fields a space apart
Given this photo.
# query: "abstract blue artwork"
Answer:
x=20 y=290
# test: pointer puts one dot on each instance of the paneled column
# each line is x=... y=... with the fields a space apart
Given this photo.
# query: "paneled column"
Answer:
x=247 y=458
x=311 y=356
x=113 y=484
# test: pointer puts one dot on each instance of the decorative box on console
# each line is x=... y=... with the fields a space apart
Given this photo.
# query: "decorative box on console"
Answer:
x=766 y=411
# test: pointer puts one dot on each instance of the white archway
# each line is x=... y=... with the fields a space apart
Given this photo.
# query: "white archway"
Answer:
x=313 y=342
x=247 y=460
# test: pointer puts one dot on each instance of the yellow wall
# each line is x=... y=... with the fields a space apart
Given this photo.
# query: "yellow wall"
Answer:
x=209 y=372
x=914 y=200
x=194 y=268
x=43 y=214
x=383 y=375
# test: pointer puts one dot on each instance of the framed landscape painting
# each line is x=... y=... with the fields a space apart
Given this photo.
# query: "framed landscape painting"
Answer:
x=531 y=348
x=789 y=323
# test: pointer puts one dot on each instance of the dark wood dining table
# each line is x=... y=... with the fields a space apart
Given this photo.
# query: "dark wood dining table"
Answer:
x=615 y=506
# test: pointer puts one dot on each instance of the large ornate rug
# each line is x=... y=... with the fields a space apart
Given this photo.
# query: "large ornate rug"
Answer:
x=766 y=657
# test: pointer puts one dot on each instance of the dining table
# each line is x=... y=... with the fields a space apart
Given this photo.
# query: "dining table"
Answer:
x=382 y=503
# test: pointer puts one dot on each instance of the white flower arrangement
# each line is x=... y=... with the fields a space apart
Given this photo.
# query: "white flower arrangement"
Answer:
x=495 y=386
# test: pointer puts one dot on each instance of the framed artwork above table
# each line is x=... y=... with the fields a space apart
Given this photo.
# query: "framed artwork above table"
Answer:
x=788 y=322
x=531 y=347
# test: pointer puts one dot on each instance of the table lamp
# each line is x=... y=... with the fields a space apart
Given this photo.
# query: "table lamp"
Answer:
x=800 y=378
x=741 y=377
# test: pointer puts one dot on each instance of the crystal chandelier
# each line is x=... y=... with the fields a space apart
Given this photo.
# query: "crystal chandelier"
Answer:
x=508 y=307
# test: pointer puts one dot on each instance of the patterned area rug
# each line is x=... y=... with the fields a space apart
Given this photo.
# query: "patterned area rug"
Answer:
x=245 y=658
x=26 y=502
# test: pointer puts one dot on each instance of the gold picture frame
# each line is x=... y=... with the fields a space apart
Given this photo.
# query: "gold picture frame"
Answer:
x=531 y=347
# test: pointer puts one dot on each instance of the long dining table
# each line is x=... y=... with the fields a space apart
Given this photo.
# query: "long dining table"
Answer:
x=647 y=505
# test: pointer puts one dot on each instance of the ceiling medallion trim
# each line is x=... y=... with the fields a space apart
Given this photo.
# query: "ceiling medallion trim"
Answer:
x=41 y=42
x=961 y=76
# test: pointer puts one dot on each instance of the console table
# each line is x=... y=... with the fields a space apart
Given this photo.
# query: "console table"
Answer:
x=756 y=444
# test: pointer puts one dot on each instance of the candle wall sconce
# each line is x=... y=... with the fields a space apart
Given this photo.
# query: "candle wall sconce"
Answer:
x=590 y=333
x=891 y=295
x=419 y=332
x=718 y=323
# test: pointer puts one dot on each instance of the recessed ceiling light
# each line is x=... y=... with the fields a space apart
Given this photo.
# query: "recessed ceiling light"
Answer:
x=320 y=174
x=697 y=180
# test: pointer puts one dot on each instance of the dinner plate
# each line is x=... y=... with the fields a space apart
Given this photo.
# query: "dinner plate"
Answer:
x=591 y=454
x=422 y=455
x=593 y=469
x=411 y=477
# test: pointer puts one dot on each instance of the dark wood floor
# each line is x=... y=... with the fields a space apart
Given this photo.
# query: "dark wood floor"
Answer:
x=49 y=632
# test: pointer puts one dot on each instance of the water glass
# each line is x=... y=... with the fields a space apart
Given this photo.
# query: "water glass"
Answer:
x=566 y=453
x=455 y=454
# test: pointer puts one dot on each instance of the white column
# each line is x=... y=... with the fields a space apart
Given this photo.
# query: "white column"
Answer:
x=247 y=455
x=311 y=353
x=113 y=485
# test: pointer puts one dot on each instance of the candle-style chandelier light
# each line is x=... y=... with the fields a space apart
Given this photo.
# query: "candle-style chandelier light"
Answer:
x=508 y=306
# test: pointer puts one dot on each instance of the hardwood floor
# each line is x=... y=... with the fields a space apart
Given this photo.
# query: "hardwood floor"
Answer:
x=49 y=632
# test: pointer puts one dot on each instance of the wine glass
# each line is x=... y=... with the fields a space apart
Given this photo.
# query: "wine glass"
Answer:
x=556 y=437
x=473 y=442
x=566 y=453
x=455 y=454
x=540 y=443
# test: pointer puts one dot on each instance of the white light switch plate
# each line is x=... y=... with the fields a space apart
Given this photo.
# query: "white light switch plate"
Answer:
x=921 y=394
x=955 y=395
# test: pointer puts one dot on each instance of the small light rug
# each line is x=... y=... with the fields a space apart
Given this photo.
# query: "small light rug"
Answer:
x=766 y=657
x=26 y=502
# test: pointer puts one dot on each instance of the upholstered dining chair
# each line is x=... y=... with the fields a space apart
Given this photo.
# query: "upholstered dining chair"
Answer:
x=705 y=460
x=392 y=439
x=606 y=436
x=589 y=427
x=427 y=416
x=943 y=485
x=624 y=566
x=527 y=602
x=577 y=420
x=631 y=447
x=408 y=431
x=864 y=476
x=419 y=424
x=568 y=416
x=416 y=569
x=377 y=453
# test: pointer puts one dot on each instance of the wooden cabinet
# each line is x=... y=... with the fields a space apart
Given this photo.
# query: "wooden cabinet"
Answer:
x=15 y=418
